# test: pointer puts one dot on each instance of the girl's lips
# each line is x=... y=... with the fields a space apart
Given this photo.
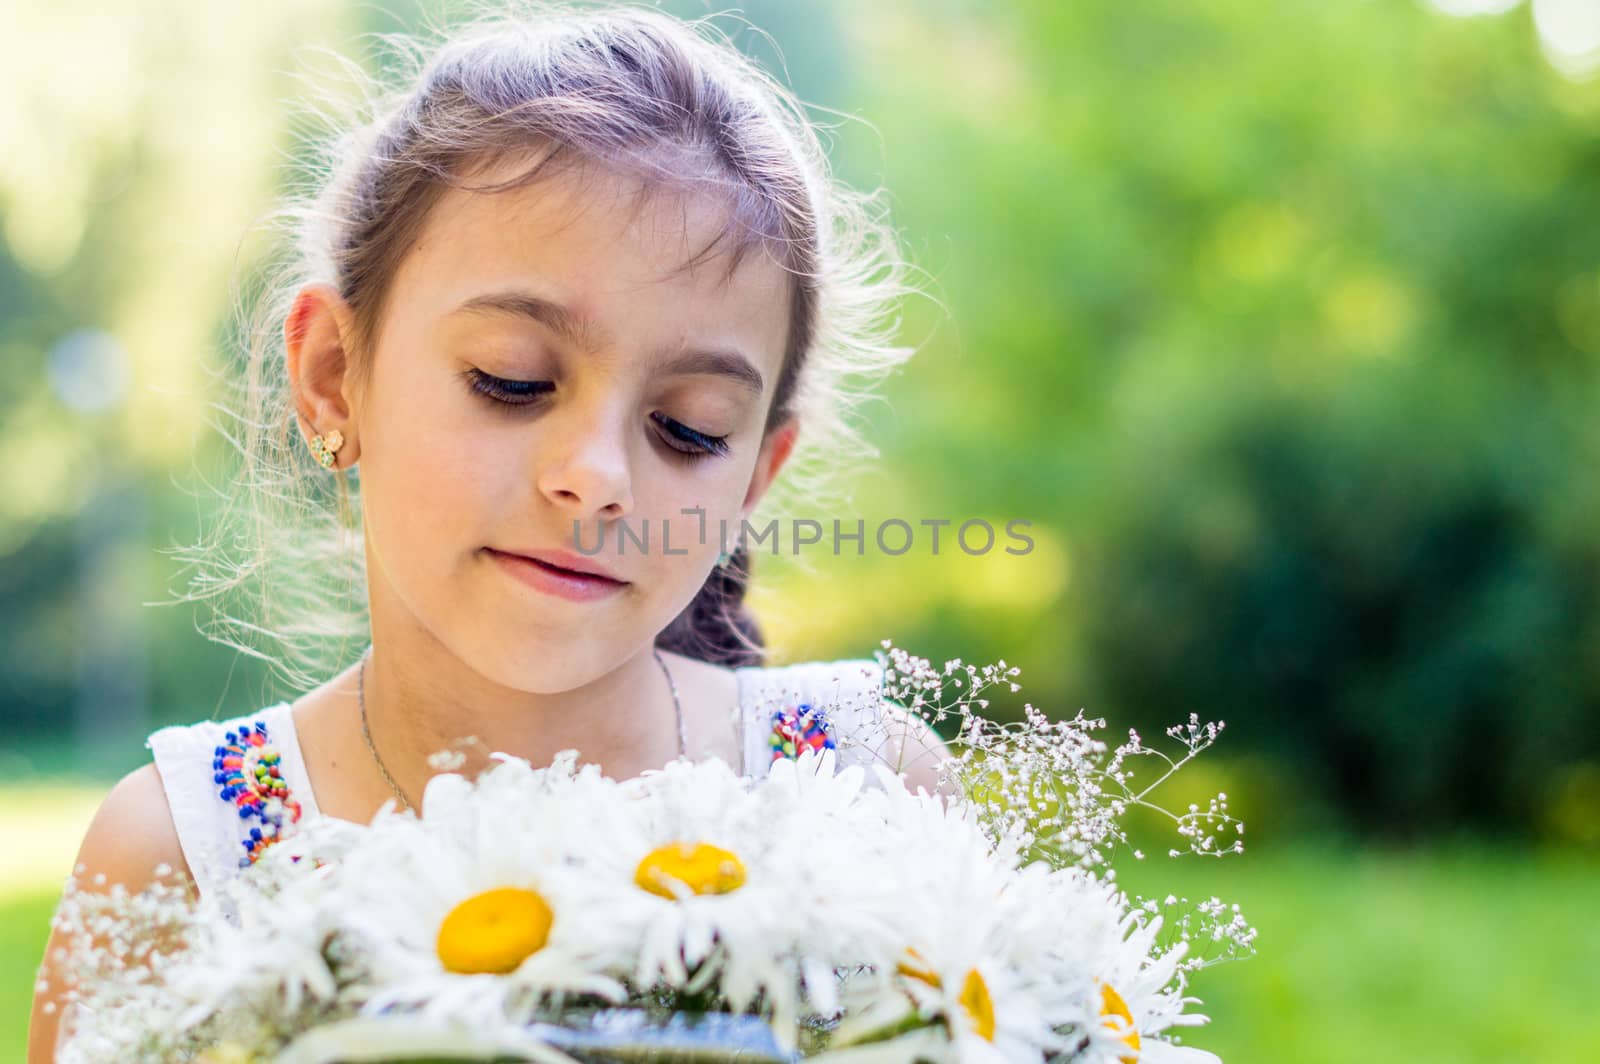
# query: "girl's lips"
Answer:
x=563 y=583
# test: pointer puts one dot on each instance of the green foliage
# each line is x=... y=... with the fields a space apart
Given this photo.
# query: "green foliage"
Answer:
x=1374 y=590
x=1279 y=322
x=1285 y=316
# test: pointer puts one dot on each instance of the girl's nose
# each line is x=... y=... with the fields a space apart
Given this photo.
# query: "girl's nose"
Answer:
x=585 y=470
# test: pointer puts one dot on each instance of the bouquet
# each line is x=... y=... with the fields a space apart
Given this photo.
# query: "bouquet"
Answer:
x=552 y=914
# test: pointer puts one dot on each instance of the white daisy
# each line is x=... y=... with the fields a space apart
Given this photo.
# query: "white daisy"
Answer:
x=1111 y=958
x=962 y=958
x=830 y=828
x=478 y=910
x=714 y=883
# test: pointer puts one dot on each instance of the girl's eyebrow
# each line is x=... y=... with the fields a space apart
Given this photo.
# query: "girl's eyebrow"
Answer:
x=722 y=363
x=558 y=319
x=583 y=331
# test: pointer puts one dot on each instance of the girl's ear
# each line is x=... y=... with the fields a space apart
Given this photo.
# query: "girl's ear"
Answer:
x=315 y=334
x=775 y=450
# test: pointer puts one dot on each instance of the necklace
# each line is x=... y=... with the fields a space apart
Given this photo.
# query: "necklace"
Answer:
x=366 y=733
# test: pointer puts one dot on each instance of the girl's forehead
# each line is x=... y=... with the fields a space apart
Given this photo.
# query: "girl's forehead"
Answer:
x=617 y=257
x=598 y=230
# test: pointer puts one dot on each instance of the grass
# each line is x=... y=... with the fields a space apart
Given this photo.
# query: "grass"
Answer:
x=24 y=926
x=43 y=822
x=1461 y=955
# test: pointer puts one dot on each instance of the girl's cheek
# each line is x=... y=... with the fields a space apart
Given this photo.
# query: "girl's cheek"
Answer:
x=691 y=541
x=456 y=443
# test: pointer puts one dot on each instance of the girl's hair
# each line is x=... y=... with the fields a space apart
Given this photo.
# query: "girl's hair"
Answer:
x=626 y=88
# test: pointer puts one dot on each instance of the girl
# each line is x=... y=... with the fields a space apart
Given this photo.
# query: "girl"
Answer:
x=562 y=310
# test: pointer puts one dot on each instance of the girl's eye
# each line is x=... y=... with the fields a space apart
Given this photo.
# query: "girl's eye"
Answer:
x=687 y=442
x=680 y=438
x=511 y=393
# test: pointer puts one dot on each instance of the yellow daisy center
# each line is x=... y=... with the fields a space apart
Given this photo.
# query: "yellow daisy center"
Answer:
x=1118 y=1017
x=494 y=931
x=703 y=868
x=978 y=1004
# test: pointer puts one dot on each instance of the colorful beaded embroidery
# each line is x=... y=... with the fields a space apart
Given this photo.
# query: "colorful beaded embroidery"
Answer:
x=796 y=728
x=249 y=770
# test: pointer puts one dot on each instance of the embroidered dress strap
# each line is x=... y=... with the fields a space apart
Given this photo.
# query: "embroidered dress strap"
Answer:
x=234 y=787
x=815 y=704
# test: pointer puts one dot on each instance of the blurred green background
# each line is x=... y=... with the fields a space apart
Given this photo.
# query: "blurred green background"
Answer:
x=1279 y=319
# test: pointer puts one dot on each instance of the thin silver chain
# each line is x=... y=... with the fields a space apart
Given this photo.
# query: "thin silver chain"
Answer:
x=366 y=733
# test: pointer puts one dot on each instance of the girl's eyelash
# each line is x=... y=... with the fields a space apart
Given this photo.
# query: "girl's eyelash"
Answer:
x=511 y=393
x=524 y=393
x=704 y=446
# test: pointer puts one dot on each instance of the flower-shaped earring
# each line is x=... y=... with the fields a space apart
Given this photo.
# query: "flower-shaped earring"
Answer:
x=326 y=446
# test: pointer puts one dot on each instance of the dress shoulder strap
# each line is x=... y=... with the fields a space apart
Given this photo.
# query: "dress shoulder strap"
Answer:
x=810 y=703
x=234 y=787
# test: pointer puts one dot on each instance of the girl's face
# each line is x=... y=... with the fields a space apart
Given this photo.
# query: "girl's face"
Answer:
x=546 y=369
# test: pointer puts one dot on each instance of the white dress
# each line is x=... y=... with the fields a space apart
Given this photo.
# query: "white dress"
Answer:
x=229 y=796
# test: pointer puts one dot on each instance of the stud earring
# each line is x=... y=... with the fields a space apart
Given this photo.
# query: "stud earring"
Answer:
x=326 y=446
x=725 y=557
